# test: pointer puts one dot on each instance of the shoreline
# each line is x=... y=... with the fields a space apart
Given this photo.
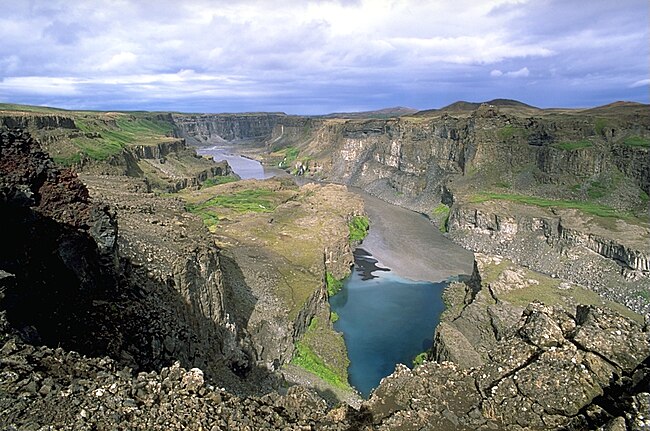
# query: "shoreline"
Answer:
x=410 y=245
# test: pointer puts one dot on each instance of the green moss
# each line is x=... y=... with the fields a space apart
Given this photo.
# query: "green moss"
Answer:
x=106 y=135
x=509 y=131
x=420 y=358
x=644 y=294
x=637 y=141
x=215 y=181
x=305 y=358
x=574 y=145
x=334 y=285
x=251 y=200
x=586 y=207
x=644 y=197
x=359 y=226
x=441 y=213
x=290 y=156
x=334 y=316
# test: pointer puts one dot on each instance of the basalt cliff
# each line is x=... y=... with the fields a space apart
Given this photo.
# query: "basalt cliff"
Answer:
x=143 y=287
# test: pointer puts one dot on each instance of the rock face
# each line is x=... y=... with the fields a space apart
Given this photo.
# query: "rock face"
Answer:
x=215 y=128
x=612 y=260
x=146 y=294
x=553 y=370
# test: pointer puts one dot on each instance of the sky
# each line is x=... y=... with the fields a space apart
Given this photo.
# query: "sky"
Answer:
x=317 y=57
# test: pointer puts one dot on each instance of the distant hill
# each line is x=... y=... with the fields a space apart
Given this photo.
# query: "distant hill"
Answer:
x=396 y=111
x=617 y=108
x=464 y=106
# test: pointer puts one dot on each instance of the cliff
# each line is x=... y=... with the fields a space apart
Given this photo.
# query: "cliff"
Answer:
x=142 y=145
x=146 y=294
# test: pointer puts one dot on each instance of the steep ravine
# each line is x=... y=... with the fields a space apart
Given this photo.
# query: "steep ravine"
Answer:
x=451 y=158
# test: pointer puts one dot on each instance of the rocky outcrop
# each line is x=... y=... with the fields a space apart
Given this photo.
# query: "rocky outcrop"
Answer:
x=554 y=370
x=215 y=128
x=147 y=294
x=158 y=151
x=26 y=121
x=563 y=243
x=42 y=387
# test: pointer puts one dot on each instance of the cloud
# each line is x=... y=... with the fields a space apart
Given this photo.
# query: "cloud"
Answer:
x=321 y=55
x=521 y=73
x=119 y=61
x=641 y=83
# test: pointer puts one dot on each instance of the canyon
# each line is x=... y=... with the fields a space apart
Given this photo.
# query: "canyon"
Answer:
x=187 y=306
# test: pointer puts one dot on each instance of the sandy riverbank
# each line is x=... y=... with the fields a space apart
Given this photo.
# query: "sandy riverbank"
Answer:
x=410 y=245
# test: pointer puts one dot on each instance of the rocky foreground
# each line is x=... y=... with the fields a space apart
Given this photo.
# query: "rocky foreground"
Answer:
x=137 y=289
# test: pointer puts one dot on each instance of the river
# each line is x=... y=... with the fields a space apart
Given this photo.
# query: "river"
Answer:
x=244 y=167
x=391 y=303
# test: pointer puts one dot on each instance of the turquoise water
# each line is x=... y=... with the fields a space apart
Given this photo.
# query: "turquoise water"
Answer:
x=385 y=320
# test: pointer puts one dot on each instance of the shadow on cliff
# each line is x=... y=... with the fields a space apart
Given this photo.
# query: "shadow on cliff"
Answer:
x=63 y=284
x=65 y=293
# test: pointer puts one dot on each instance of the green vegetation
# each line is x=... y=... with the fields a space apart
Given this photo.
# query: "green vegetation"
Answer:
x=441 y=213
x=290 y=155
x=575 y=145
x=359 y=226
x=637 y=141
x=334 y=285
x=305 y=358
x=320 y=341
x=586 y=207
x=420 y=358
x=548 y=293
x=597 y=190
x=105 y=135
x=644 y=294
x=250 y=200
x=334 y=317
x=599 y=125
x=509 y=131
x=215 y=181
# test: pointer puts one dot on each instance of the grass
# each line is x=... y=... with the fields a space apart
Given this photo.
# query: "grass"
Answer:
x=637 y=141
x=359 y=226
x=215 y=181
x=290 y=155
x=105 y=135
x=244 y=201
x=334 y=285
x=599 y=125
x=586 y=207
x=509 y=131
x=441 y=213
x=644 y=294
x=305 y=358
x=250 y=200
x=644 y=197
x=574 y=145
x=548 y=293
x=597 y=190
x=320 y=341
x=420 y=358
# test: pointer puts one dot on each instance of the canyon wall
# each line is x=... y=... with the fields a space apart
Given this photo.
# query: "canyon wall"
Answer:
x=119 y=280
